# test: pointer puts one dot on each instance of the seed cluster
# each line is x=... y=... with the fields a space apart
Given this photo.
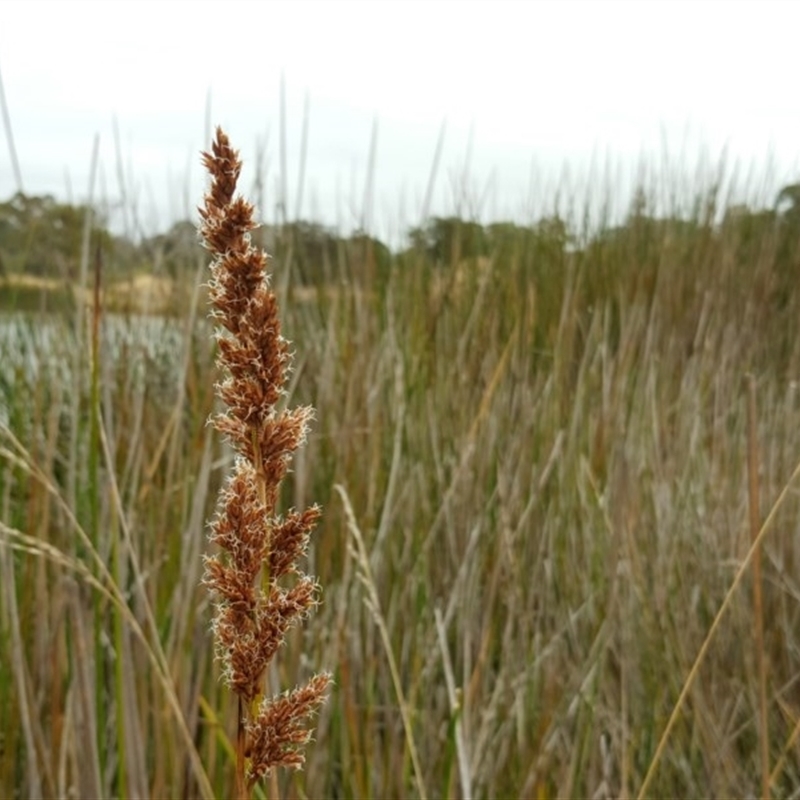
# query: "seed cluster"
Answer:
x=258 y=547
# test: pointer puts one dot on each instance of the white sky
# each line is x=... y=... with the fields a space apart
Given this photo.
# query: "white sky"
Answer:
x=529 y=92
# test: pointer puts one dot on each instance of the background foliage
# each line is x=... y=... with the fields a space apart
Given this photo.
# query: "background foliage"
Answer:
x=541 y=433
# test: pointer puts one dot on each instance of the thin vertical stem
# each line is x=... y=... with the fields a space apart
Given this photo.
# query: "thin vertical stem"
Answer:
x=758 y=606
x=12 y=150
x=242 y=791
x=261 y=491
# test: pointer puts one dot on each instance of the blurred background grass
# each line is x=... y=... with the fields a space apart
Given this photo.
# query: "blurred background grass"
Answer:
x=541 y=431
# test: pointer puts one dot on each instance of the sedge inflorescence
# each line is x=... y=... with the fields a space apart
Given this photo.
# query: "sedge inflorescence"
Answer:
x=259 y=590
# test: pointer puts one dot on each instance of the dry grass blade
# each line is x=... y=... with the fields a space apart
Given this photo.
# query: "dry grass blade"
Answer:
x=373 y=603
x=464 y=770
x=687 y=684
x=12 y=150
x=758 y=604
x=20 y=671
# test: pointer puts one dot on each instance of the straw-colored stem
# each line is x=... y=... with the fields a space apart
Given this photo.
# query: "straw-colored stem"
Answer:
x=242 y=790
x=758 y=606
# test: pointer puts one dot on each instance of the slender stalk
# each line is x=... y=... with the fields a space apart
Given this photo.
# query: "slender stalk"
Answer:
x=758 y=606
x=242 y=792
x=12 y=150
x=373 y=603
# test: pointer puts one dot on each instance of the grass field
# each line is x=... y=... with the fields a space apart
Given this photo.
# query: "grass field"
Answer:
x=544 y=453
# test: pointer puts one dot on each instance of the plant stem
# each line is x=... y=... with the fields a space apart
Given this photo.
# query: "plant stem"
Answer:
x=242 y=791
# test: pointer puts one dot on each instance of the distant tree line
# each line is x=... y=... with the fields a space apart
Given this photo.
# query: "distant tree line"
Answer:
x=43 y=237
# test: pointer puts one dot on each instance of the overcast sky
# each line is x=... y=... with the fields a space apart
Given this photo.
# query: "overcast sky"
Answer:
x=530 y=96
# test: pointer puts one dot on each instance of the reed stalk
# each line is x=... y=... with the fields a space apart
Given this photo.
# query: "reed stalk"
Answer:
x=258 y=588
x=754 y=506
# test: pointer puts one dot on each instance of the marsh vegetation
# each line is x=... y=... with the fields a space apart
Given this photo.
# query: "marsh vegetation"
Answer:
x=540 y=434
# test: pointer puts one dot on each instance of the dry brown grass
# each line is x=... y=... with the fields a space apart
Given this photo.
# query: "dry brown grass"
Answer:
x=544 y=473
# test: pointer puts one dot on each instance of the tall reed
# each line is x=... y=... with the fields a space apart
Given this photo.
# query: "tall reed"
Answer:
x=259 y=590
